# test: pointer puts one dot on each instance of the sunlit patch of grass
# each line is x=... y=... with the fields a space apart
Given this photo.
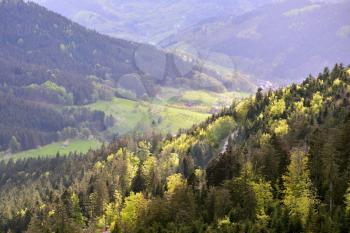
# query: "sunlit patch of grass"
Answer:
x=63 y=148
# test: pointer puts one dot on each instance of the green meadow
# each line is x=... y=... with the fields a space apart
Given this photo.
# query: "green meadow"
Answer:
x=63 y=148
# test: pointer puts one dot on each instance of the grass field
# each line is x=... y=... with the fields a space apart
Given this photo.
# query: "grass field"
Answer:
x=170 y=111
x=133 y=115
x=199 y=100
x=76 y=145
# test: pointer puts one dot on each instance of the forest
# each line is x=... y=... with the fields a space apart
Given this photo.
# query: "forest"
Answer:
x=277 y=161
x=49 y=64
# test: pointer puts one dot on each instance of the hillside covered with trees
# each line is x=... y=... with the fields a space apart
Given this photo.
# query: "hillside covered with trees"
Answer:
x=274 y=162
x=50 y=68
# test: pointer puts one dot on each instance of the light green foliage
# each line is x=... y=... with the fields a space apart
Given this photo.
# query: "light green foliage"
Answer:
x=54 y=87
x=224 y=223
x=348 y=71
x=242 y=109
x=150 y=173
x=169 y=164
x=337 y=82
x=347 y=201
x=134 y=208
x=220 y=129
x=99 y=165
x=111 y=213
x=200 y=179
x=299 y=107
x=280 y=127
x=180 y=145
x=299 y=196
x=174 y=182
x=129 y=163
x=316 y=103
x=277 y=107
x=264 y=199
x=143 y=150
x=265 y=139
x=77 y=212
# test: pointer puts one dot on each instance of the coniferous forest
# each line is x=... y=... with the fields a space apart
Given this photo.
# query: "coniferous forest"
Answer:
x=274 y=162
x=174 y=116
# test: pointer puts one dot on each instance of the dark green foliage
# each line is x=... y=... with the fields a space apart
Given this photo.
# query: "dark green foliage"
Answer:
x=272 y=177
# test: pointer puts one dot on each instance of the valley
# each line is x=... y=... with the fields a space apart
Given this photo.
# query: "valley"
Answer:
x=162 y=116
x=82 y=84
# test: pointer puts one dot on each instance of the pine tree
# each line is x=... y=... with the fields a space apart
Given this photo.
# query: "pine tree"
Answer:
x=14 y=145
x=330 y=171
x=299 y=195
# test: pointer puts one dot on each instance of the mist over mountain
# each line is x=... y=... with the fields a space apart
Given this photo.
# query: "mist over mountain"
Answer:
x=279 y=41
x=147 y=21
x=165 y=116
x=283 y=41
x=48 y=64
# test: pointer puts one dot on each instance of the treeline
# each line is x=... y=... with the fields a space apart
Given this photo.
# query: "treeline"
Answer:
x=274 y=162
x=34 y=124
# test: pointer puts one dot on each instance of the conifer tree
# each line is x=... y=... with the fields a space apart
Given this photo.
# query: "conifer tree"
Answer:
x=299 y=195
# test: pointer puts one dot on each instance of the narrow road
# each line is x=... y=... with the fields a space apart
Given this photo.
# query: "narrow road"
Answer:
x=224 y=147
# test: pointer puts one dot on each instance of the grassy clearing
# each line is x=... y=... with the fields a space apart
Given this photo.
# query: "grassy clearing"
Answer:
x=133 y=115
x=75 y=145
x=171 y=110
x=198 y=100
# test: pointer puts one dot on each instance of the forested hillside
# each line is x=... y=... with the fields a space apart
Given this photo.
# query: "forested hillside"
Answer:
x=282 y=41
x=140 y=22
x=274 y=162
x=51 y=68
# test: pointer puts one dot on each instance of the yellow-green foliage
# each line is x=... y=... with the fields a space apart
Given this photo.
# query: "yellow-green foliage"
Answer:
x=111 y=213
x=135 y=206
x=54 y=87
x=280 y=127
x=174 y=182
x=264 y=199
x=347 y=200
x=298 y=194
x=129 y=162
x=316 y=103
x=277 y=107
x=337 y=82
x=149 y=172
x=348 y=71
x=143 y=150
x=287 y=92
x=179 y=145
x=169 y=164
x=99 y=165
x=77 y=212
x=265 y=139
x=242 y=109
x=299 y=107
x=220 y=129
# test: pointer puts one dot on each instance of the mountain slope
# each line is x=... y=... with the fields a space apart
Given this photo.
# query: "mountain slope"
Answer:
x=42 y=40
x=139 y=21
x=286 y=169
x=282 y=41
x=50 y=64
